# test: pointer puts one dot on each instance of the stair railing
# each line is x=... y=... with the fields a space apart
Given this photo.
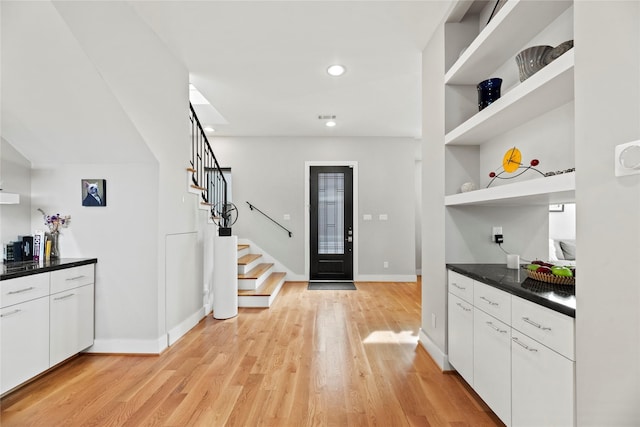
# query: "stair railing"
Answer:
x=252 y=207
x=206 y=173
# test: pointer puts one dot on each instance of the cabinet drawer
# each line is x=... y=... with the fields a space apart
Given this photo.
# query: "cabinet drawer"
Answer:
x=70 y=278
x=22 y=289
x=553 y=329
x=461 y=286
x=492 y=301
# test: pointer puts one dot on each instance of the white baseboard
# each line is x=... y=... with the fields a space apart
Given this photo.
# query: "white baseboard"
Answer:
x=441 y=359
x=157 y=346
x=386 y=278
x=185 y=326
x=129 y=346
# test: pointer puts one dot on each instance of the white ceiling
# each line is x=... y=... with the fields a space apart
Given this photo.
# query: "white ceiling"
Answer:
x=261 y=64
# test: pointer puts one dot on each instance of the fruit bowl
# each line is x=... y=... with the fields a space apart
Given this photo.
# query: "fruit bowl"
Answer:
x=549 y=273
x=551 y=278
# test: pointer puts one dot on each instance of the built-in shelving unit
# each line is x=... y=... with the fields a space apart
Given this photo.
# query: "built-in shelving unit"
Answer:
x=536 y=116
x=540 y=191
x=512 y=26
x=516 y=25
x=549 y=88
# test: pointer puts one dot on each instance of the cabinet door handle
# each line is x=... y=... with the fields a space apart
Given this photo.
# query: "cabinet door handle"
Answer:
x=19 y=291
x=17 y=310
x=463 y=307
x=76 y=277
x=63 y=297
x=489 y=301
x=515 y=340
x=462 y=288
x=495 y=328
x=537 y=325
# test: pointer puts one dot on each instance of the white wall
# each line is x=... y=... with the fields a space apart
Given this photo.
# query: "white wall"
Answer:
x=119 y=103
x=15 y=174
x=434 y=281
x=152 y=87
x=562 y=225
x=269 y=172
x=607 y=82
x=121 y=236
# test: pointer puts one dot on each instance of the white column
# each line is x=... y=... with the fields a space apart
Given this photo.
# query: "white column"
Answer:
x=225 y=277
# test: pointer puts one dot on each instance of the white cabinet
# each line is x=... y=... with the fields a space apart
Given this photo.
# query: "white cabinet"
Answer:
x=492 y=363
x=492 y=348
x=24 y=353
x=45 y=318
x=542 y=385
x=461 y=337
x=517 y=355
x=543 y=367
x=71 y=324
x=72 y=306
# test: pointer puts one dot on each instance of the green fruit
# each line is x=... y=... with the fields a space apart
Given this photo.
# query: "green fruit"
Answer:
x=561 y=271
x=533 y=267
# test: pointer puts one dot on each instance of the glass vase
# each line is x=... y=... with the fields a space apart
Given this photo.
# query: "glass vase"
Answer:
x=55 y=249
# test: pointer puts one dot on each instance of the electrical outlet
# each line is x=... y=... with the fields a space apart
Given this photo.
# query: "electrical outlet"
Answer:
x=386 y=264
x=433 y=320
x=496 y=234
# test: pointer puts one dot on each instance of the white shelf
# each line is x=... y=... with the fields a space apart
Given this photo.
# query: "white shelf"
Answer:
x=549 y=88
x=539 y=191
x=513 y=25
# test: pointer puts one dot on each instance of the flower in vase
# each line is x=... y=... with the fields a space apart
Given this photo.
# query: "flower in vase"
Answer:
x=54 y=222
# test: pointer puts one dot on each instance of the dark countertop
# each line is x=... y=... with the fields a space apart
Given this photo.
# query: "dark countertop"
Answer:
x=14 y=270
x=560 y=298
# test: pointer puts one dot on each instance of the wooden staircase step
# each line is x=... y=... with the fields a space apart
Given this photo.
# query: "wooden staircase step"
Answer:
x=268 y=287
x=248 y=259
x=242 y=247
x=255 y=273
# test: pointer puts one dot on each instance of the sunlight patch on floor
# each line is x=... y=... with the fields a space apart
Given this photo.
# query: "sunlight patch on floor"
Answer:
x=391 y=337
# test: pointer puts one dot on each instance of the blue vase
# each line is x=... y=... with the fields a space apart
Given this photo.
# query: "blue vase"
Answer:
x=488 y=92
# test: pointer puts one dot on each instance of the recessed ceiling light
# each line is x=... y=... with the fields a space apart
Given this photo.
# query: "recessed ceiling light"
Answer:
x=336 y=70
x=209 y=129
x=330 y=123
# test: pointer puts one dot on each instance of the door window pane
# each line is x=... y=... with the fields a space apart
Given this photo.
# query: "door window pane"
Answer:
x=331 y=213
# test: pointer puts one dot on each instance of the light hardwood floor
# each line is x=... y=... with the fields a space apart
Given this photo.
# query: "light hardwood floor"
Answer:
x=315 y=358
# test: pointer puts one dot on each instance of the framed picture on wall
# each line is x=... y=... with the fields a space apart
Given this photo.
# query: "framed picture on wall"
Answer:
x=556 y=208
x=94 y=192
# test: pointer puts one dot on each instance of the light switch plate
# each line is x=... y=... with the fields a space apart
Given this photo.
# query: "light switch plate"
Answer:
x=627 y=158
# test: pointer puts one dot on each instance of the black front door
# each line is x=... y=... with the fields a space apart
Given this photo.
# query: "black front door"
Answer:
x=331 y=234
